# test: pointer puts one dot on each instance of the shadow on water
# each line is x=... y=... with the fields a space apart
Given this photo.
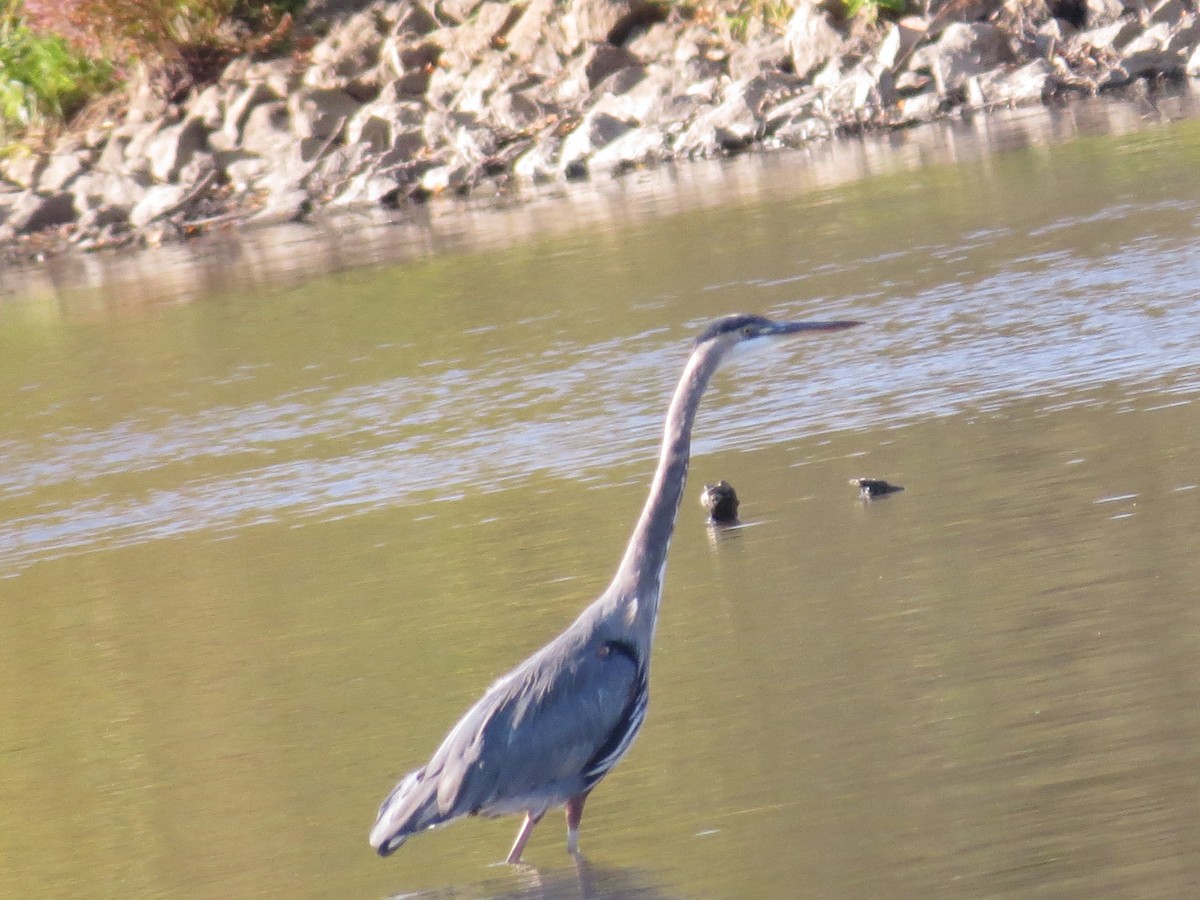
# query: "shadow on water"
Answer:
x=585 y=881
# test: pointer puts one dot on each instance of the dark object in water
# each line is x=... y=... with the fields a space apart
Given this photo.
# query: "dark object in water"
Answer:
x=721 y=501
x=870 y=488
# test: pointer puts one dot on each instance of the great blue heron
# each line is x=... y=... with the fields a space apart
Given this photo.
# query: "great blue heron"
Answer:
x=548 y=731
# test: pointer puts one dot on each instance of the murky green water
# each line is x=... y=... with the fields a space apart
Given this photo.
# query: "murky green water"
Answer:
x=261 y=548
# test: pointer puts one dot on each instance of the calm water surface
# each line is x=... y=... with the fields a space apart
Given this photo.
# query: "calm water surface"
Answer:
x=260 y=546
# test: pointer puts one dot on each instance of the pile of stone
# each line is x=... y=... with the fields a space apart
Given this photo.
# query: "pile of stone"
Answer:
x=405 y=100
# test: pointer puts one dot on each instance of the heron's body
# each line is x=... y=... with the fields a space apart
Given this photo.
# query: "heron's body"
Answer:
x=546 y=733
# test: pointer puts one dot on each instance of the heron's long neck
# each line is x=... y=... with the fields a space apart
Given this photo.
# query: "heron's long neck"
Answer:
x=639 y=577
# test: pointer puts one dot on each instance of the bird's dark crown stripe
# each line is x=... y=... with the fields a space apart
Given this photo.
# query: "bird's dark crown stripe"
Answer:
x=728 y=324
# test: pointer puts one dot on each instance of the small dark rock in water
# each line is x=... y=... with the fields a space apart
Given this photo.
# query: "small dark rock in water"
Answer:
x=721 y=501
x=869 y=488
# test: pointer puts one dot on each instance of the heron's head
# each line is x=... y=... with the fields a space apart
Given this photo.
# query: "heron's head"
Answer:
x=748 y=331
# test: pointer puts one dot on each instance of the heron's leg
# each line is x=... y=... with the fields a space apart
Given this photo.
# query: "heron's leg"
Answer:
x=574 y=815
x=514 y=855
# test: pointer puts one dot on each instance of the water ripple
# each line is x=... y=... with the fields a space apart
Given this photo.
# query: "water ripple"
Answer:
x=1056 y=324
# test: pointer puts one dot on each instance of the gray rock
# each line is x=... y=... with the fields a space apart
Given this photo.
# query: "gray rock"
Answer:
x=284 y=206
x=725 y=128
x=22 y=169
x=135 y=146
x=1169 y=11
x=962 y=52
x=238 y=111
x=596 y=70
x=387 y=125
x=367 y=188
x=279 y=76
x=457 y=10
x=797 y=108
x=173 y=147
x=603 y=60
x=963 y=12
x=97 y=187
x=488 y=27
x=643 y=101
x=1098 y=42
x=595 y=131
x=209 y=106
x=923 y=107
x=1151 y=53
x=810 y=39
x=61 y=169
x=1030 y=83
x=800 y=129
x=525 y=34
x=33 y=212
x=348 y=56
x=515 y=112
x=444 y=128
x=438 y=179
x=413 y=83
x=146 y=103
x=266 y=132
x=159 y=232
x=243 y=170
x=160 y=200
x=1103 y=12
x=659 y=42
x=769 y=53
x=586 y=22
x=1185 y=36
x=481 y=82
x=636 y=147
x=1049 y=37
x=284 y=173
x=539 y=162
x=861 y=93
x=899 y=42
x=320 y=114
x=102 y=216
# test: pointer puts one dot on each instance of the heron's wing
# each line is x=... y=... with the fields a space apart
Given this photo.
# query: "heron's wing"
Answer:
x=544 y=730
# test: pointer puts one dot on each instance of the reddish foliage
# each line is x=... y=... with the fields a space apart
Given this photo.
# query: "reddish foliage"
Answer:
x=188 y=40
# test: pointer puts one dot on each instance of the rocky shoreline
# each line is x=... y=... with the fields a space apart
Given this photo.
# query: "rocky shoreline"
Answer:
x=400 y=102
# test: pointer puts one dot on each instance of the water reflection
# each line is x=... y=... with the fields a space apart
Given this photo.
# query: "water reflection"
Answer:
x=287 y=253
x=262 y=547
x=585 y=881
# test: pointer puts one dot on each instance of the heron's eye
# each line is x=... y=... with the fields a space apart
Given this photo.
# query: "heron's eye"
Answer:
x=747 y=330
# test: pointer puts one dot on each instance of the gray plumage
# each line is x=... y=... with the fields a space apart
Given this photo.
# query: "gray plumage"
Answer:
x=547 y=732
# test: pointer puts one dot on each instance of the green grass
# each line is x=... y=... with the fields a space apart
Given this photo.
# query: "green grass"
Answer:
x=42 y=79
x=874 y=8
x=743 y=15
x=54 y=54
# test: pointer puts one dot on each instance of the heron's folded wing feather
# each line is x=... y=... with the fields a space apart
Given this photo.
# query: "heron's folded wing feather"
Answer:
x=536 y=731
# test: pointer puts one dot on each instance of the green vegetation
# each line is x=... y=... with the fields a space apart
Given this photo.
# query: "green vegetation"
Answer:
x=42 y=78
x=744 y=15
x=873 y=9
x=55 y=55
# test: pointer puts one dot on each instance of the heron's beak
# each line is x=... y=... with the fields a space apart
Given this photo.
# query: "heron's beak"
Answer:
x=780 y=328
